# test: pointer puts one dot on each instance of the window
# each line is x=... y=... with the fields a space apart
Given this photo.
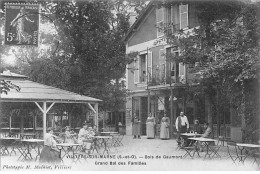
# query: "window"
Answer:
x=143 y=70
x=111 y=119
x=149 y=65
x=136 y=106
x=136 y=72
x=162 y=66
x=183 y=16
x=174 y=66
x=172 y=18
x=159 y=21
x=143 y=67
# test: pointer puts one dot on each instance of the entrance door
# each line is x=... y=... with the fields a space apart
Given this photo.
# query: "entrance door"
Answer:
x=144 y=114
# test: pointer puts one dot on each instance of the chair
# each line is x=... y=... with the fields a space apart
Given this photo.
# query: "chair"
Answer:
x=222 y=139
x=23 y=153
x=189 y=150
x=214 y=148
x=191 y=146
x=4 y=147
x=89 y=145
x=256 y=156
x=80 y=154
x=117 y=138
x=120 y=139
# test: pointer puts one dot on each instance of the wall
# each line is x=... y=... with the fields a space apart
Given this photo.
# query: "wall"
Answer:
x=145 y=37
x=146 y=31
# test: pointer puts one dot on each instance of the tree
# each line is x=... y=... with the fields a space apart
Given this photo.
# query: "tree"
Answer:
x=5 y=86
x=88 y=52
x=226 y=45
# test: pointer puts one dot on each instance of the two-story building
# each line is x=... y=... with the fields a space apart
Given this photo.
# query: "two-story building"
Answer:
x=157 y=84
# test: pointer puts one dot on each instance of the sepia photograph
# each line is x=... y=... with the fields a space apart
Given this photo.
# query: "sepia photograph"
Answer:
x=129 y=85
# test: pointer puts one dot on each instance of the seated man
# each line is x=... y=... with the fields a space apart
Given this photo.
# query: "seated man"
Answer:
x=197 y=128
x=208 y=130
x=206 y=134
x=83 y=132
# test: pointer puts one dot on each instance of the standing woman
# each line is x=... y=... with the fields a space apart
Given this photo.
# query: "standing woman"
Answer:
x=136 y=127
x=49 y=153
x=165 y=123
x=150 y=123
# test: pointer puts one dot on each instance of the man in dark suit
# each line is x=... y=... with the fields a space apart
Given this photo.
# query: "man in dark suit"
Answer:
x=197 y=128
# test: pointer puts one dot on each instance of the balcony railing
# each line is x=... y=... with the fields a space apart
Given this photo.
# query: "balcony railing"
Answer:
x=162 y=77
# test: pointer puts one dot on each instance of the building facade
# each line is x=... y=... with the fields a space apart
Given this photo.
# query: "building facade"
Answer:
x=157 y=84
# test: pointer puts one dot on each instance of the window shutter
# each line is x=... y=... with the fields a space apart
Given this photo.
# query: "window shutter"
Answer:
x=175 y=17
x=150 y=65
x=159 y=21
x=136 y=72
x=183 y=16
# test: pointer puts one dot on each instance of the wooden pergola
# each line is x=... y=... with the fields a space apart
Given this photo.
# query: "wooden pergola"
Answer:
x=44 y=97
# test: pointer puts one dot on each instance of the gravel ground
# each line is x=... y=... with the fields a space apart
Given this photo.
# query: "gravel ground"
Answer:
x=137 y=154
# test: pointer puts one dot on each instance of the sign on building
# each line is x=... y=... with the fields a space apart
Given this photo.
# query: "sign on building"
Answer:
x=21 y=24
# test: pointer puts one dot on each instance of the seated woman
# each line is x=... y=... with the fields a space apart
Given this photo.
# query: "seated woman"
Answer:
x=85 y=137
x=68 y=136
x=49 y=153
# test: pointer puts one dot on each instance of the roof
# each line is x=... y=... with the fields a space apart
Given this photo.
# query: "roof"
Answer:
x=36 y=92
x=11 y=75
x=138 y=21
x=151 y=4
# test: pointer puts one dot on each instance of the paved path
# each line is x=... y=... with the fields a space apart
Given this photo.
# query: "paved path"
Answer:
x=143 y=154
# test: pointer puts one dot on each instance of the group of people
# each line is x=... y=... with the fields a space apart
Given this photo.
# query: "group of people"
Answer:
x=181 y=125
x=50 y=153
x=150 y=127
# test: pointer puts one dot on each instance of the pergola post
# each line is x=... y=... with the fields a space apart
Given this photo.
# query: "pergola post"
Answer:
x=44 y=110
x=44 y=119
x=10 y=123
x=96 y=115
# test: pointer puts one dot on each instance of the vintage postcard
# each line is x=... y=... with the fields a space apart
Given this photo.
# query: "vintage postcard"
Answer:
x=129 y=85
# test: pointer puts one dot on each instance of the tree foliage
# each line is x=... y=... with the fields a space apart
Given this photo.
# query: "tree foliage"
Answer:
x=226 y=46
x=81 y=48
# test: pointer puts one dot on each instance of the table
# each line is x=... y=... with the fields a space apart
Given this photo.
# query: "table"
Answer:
x=5 y=142
x=206 y=141
x=27 y=135
x=66 y=147
x=243 y=147
x=190 y=134
x=104 y=141
x=33 y=143
x=108 y=133
x=184 y=141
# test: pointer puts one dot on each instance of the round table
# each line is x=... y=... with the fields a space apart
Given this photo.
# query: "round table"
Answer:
x=66 y=147
x=243 y=147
